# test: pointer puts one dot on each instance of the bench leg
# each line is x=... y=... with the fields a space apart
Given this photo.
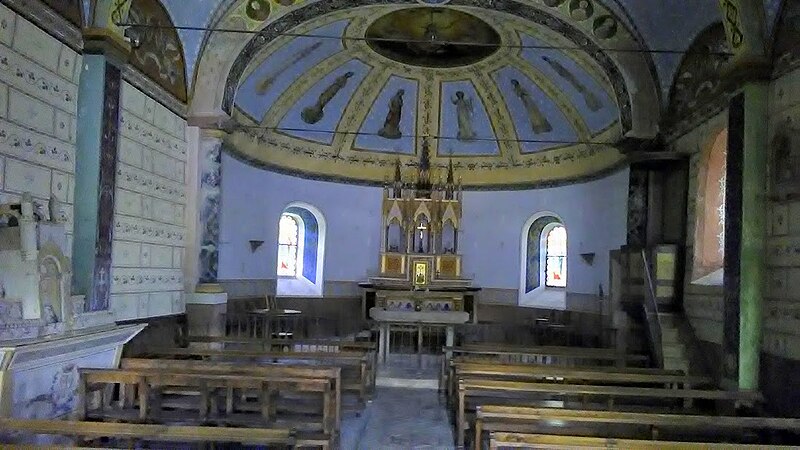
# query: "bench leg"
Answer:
x=478 y=432
x=461 y=419
x=144 y=399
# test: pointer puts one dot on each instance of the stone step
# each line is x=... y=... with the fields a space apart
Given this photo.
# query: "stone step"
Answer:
x=673 y=351
x=668 y=320
x=670 y=335
x=676 y=364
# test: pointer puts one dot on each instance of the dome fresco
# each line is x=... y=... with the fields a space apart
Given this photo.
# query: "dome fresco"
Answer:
x=511 y=102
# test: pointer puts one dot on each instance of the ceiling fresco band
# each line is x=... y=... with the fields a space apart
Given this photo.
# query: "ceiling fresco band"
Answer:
x=359 y=111
x=524 y=11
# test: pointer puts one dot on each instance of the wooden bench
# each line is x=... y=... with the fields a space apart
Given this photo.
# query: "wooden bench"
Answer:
x=514 y=418
x=500 y=441
x=356 y=380
x=490 y=368
x=572 y=375
x=151 y=432
x=303 y=371
x=494 y=389
x=313 y=345
x=148 y=381
x=567 y=356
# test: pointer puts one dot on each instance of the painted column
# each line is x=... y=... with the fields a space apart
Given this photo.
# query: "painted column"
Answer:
x=97 y=144
x=209 y=194
x=637 y=207
x=753 y=276
x=745 y=193
x=205 y=308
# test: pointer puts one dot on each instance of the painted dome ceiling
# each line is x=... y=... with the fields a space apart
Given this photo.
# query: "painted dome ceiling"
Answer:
x=504 y=94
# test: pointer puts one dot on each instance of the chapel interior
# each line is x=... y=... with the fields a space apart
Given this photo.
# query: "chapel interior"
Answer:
x=400 y=224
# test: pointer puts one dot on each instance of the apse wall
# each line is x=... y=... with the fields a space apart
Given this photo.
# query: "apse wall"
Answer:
x=253 y=199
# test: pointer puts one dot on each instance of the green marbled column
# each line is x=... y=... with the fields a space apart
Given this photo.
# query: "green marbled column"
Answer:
x=754 y=230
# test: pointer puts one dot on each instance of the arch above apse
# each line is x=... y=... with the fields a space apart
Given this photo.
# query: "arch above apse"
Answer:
x=524 y=254
x=160 y=54
x=698 y=91
x=785 y=51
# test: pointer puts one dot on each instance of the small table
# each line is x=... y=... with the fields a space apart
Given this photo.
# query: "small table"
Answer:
x=387 y=317
x=267 y=315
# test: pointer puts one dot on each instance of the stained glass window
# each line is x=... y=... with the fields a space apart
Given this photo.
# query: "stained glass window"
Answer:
x=288 y=236
x=556 y=267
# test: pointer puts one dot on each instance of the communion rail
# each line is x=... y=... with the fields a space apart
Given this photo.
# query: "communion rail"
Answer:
x=283 y=326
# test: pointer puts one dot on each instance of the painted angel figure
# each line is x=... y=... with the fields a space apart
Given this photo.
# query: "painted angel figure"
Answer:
x=464 y=110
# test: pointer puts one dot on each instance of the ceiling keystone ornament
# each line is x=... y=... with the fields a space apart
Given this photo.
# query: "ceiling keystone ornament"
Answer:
x=516 y=96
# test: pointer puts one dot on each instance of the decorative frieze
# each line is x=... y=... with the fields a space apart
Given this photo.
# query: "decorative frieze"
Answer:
x=145 y=280
x=146 y=183
x=131 y=228
x=149 y=135
x=36 y=148
x=24 y=75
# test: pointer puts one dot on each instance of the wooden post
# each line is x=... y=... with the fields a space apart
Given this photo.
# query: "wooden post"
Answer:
x=461 y=416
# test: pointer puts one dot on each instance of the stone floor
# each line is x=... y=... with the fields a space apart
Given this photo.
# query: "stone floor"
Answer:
x=399 y=419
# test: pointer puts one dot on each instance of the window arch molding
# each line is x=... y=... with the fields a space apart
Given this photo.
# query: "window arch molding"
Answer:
x=308 y=279
x=709 y=223
x=533 y=261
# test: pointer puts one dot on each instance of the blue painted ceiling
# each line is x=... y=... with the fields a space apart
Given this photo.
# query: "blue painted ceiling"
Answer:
x=661 y=24
x=537 y=98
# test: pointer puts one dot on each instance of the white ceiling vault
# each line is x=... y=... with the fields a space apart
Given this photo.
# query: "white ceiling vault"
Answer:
x=660 y=24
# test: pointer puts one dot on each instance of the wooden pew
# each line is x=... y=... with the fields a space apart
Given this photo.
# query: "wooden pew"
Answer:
x=490 y=368
x=573 y=375
x=302 y=371
x=524 y=391
x=497 y=418
x=500 y=441
x=151 y=432
x=313 y=345
x=355 y=382
x=149 y=380
x=567 y=356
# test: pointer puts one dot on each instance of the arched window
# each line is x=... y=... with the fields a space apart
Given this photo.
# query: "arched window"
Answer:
x=709 y=233
x=288 y=243
x=556 y=251
x=543 y=275
x=301 y=251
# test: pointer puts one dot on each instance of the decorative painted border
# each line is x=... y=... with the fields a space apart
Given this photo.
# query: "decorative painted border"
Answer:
x=277 y=168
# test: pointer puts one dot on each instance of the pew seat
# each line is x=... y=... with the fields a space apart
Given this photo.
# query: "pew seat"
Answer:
x=496 y=418
x=502 y=441
x=152 y=432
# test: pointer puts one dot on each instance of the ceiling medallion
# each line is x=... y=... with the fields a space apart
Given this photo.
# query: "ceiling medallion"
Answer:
x=432 y=37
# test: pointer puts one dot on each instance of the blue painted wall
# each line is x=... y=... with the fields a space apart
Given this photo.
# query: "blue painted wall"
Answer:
x=594 y=214
x=310 y=241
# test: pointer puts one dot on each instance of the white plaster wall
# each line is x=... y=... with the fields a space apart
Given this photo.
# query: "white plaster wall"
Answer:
x=150 y=210
x=253 y=199
x=38 y=107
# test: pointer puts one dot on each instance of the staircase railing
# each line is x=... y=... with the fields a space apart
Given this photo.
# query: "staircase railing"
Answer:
x=651 y=312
